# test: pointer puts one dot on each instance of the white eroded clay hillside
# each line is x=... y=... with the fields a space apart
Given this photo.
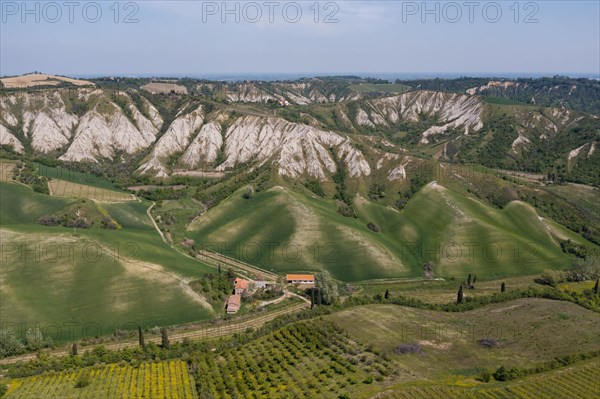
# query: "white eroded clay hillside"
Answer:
x=90 y=124
x=176 y=138
x=43 y=116
x=294 y=93
x=50 y=121
x=297 y=149
x=7 y=138
x=452 y=111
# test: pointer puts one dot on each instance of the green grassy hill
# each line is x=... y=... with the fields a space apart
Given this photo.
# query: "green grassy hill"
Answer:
x=100 y=279
x=284 y=230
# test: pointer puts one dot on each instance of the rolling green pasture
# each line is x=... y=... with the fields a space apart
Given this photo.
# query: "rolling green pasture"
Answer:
x=527 y=332
x=285 y=231
x=107 y=277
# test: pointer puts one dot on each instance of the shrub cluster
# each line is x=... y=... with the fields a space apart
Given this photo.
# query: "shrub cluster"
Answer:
x=507 y=374
x=408 y=348
x=581 y=270
x=374 y=227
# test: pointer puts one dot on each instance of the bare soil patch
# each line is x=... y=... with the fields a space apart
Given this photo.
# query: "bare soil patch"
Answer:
x=40 y=79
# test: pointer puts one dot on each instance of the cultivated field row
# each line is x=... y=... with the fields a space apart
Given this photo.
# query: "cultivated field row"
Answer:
x=576 y=382
x=62 y=188
x=215 y=258
x=202 y=333
x=168 y=379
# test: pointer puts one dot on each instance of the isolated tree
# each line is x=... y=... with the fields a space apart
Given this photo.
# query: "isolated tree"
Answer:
x=474 y=279
x=280 y=283
x=74 y=350
x=469 y=281
x=219 y=269
x=503 y=287
x=34 y=340
x=141 y=337
x=312 y=298
x=230 y=274
x=328 y=290
x=165 y=338
x=596 y=288
x=249 y=193
x=387 y=294
x=459 y=296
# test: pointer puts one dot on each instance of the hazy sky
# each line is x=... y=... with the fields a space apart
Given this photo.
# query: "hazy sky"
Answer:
x=195 y=37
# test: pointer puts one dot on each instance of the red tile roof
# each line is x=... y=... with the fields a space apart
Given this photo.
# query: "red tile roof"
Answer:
x=240 y=283
x=234 y=300
x=301 y=277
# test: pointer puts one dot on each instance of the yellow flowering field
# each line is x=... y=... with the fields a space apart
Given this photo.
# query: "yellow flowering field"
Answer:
x=168 y=379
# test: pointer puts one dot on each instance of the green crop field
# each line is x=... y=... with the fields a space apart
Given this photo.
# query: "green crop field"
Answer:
x=99 y=280
x=169 y=379
x=286 y=231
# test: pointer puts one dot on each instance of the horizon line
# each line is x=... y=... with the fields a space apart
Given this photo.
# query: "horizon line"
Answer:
x=372 y=74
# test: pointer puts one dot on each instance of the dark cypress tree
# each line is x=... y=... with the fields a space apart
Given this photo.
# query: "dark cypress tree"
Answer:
x=219 y=269
x=459 y=296
x=469 y=281
x=74 y=350
x=474 y=279
x=141 y=337
x=319 y=298
x=312 y=298
x=165 y=338
x=596 y=288
x=503 y=287
x=387 y=294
